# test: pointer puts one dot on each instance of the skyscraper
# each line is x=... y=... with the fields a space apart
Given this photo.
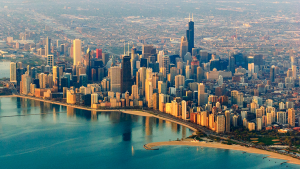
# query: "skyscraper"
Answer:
x=76 y=51
x=13 y=72
x=105 y=58
x=115 y=79
x=99 y=53
x=48 y=46
x=190 y=36
x=227 y=118
x=126 y=74
x=166 y=63
x=183 y=47
x=272 y=73
x=202 y=96
x=291 y=117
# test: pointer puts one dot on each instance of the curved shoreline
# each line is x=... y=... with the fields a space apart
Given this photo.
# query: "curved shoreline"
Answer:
x=227 y=147
x=132 y=112
x=168 y=143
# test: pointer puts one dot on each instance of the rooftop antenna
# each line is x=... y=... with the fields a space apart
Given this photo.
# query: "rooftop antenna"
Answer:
x=128 y=48
x=192 y=17
x=189 y=17
x=124 y=48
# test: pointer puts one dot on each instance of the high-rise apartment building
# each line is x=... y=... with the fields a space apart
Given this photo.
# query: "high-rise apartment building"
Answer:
x=76 y=52
x=220 y=124
x=126 y=75
x=13 y=72
x=227 y=117
x=291 y=117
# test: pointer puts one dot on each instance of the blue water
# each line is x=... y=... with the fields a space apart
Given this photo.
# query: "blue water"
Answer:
x=64 y=137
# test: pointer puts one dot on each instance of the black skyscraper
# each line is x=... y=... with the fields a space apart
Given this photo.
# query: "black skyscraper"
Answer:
x=190 y=36
x=126 y=75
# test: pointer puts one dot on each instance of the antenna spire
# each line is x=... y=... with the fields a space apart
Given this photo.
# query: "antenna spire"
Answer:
x=189 y=17
x=124 y=48
x=192 y=17
x=128 y=48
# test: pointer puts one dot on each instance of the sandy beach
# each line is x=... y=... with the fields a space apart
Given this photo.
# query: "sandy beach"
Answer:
x=228 y=147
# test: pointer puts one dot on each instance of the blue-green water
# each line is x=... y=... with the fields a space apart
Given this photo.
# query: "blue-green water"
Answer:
x=69 y=138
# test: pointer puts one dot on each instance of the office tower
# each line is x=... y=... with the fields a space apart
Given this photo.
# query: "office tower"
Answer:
x=281 y=106
x=272 y=73
x=55 y=71
x=76 y=52
x=227 y=117
x=183 y=106
x=166 y=63
x=100 y=74
x=50 y=60
x=149 y=92
x=281 y=117
x=179 y=81
x=13 y=72
x=141 y=83
x=220 y=124
x=147 y=51
x=105 y=58
x=48 y=46
x=134 y=58
x=62 y=49
x=234 y=97
x=187 y=72
x=115 y=79
x=42 y=80
x=126 y=81
x=231 y=64
x=269 y=119
x=202 y=96
x=190 y=36
x=200 y=74
x=250 y=69
x=294 y=71
x=291 y=117
x=259 y=113
x=160 y=58
x=258 y=124
x=99 y=53
x=183 y=47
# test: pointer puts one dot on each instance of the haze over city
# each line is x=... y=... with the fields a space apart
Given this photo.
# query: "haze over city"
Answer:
x=143 y=84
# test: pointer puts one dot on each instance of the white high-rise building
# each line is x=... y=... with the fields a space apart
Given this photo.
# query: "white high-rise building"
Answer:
x=135 y=92
x=258 y=124
x=76 y=51
x=115 y=79
x=94 y=98
x=220 y=80
x=160 y=58
x=13 y=72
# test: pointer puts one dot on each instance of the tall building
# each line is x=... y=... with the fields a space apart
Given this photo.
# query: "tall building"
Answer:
x=227 y=117
x=13 y=72
x=50 y=60
x=190 y=36
x=291 y=117
x=281 y=117
x=166 y=63
x=202 y=96
x=105 y=58
x=94 y=98
x=55 y=71
x=294 y=70
x=126 y=75
x=76 y=52
x=183 y=106
x=115 y=79
x=183 y=47
x=48 y=46
x=160 y=56
x=272 y=73
x=179 y=81
x=99 y=53
x=220 y=124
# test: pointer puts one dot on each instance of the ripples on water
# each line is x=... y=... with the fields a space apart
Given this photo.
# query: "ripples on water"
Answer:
x=63 y=137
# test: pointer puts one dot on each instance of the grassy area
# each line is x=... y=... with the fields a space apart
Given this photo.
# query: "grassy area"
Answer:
x=264 y=140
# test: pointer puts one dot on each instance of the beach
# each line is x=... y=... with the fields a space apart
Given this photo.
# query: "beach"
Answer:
x=228 y=147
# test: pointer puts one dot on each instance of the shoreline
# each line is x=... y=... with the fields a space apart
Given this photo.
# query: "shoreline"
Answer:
x=132 y=112
x=269 y=154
